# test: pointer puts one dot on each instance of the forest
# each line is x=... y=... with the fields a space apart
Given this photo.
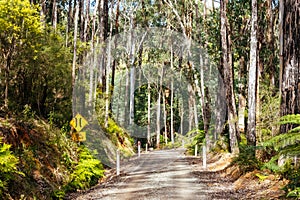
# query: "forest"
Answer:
x=220 y=74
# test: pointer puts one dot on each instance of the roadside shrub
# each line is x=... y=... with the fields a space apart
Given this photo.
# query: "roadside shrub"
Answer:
x=286 y=147
x=8 y=166
x=87 y=172
x=246 y=159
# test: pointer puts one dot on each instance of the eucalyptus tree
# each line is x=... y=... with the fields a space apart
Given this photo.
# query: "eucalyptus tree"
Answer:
x=228 y=78
x=251 y=132
x=290 y=59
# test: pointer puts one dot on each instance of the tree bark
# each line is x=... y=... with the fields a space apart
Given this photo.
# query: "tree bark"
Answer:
x=251 y=129
x=74 y=53
x=149 y=114
x=54 y=14
x=242 y=95
x=228 y=78
x=290 y=77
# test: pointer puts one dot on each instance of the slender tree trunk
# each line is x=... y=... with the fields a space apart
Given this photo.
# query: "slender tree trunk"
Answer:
x=165 y=118
x=172 y=101
x=108 y=91
x=75 y=44
x=54 y=14
x=228 y=78
x=113 y=72
x=132 y=73
x=68 y=28
x=43 y=11
x=126 y=110
x=6 y=76
x=94 y=53
x=181 y=116
x=251 y=132
x=149 y=114
x=86 y=21
x=74 y=53
x=191 y=106
x=81 y=19
x=242 y=96
x=158 y=109
x=172 y=112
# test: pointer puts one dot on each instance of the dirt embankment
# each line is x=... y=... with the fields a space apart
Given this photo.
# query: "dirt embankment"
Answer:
x=228 y=181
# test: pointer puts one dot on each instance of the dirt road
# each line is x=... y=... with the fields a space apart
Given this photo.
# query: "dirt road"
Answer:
x=164 y=174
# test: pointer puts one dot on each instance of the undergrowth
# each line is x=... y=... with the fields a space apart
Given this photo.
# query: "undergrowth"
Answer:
x=287 y=150
x=8 y=166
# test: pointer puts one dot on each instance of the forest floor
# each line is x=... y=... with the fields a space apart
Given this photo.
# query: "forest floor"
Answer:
x=169 y=174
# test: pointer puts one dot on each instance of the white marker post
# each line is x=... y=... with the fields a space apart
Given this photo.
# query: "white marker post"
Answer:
x=204 y=155
x=139 y=148
x=196 y=150
x=147 y=148
x=118 y=162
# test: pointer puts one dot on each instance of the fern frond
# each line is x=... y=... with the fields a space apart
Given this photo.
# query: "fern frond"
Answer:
x=290 y=119
x=283 y=140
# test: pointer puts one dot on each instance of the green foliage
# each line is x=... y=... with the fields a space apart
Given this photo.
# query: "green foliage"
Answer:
x=246 y=158
x=28 y=113
x=8 y=166
x=197 y=138
x=286 y=147
x=288 y=143
x=87 y=172
x=267 y=126
x=294 y=193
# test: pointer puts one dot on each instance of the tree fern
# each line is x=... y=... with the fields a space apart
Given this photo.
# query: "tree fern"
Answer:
x=287 y=143
x=287 y=146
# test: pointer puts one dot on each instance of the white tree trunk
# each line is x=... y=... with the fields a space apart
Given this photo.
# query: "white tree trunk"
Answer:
x=149 y=114
x=251 y=138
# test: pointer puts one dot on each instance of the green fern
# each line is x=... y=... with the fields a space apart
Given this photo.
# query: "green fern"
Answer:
x=87 y=172
x=8 y=166
x=287 y=144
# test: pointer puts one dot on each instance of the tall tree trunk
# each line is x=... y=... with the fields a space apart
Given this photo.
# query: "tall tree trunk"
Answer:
x=108 y=68
x=132 y=71
x=290 y=85
x=228 y=78
x=172 y=99
x=81 y=19
x=159 y=108
x=86 y=21
x=270 y=42
x=68 y=28
x=242 y=95
x=149 y=114
x=191 y=100
x=6 y=77
x=113 y=70
x=75 y=52
x=75 y=44
x=126 y=110
x=54 y=14
x=251 y=132
x=43 y=11
x=165 y=118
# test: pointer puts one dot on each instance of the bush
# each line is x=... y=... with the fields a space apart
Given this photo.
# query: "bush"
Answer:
x=246 y=159
x=8 y=166
x=87 y=172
